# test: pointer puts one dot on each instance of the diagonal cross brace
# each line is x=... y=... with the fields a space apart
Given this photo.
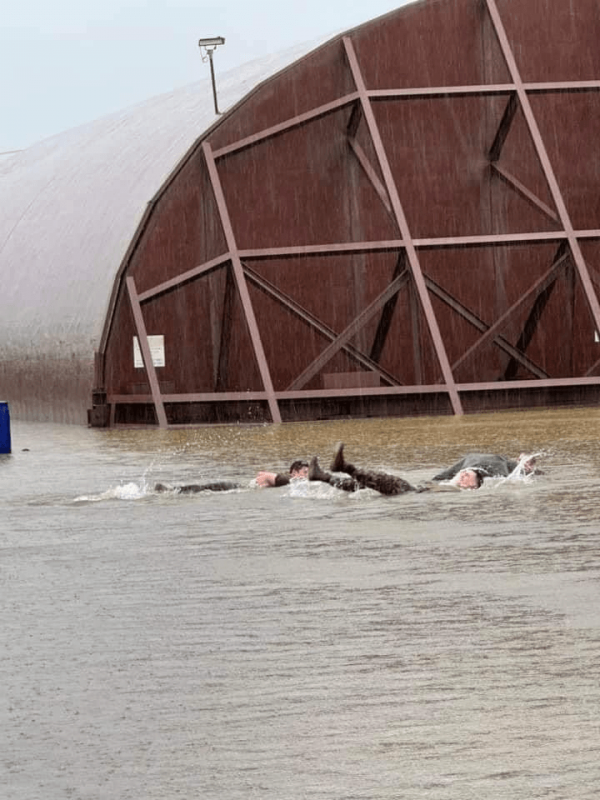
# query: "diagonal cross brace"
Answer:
x=240 y=280
x=474 y=320
x=295 y=308
x=385 y=322
x=529 y=328
x=504 y=128
x=522 y=190
x=348 y=332
x=142 y=335
x=538 y=287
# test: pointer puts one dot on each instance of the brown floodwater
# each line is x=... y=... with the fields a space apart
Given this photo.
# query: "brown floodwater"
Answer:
x=300 y=643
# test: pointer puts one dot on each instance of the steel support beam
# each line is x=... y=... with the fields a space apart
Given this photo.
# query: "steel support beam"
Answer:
x=185 y=277
x=142 y=335
x=282 y=127
x=371 y=175
x=340 y=248
x=379 y=391
x=402 y=223
x=483 y=90
x=241 y=282
x=527 y=195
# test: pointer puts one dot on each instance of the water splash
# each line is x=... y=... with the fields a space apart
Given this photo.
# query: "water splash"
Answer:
x=523 y=471
x=525 y=466
x=301 y=487
x=130 y=491
x=125 y=491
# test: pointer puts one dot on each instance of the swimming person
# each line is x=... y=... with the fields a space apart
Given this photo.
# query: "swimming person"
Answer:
x=489 y=465
x=298 y=470
x=468 y=473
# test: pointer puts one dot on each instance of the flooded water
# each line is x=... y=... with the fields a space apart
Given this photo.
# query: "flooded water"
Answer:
x=300 y=643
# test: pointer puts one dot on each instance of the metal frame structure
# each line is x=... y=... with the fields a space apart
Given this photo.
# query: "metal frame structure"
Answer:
x=409 y=272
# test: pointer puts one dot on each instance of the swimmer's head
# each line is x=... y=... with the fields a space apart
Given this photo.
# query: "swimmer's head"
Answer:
x=468 y=479
x=299 y=469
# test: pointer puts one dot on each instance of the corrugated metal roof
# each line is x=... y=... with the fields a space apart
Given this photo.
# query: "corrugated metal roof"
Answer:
x=70 y=205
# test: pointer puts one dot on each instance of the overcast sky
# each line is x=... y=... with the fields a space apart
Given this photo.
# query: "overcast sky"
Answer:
x=68 y=62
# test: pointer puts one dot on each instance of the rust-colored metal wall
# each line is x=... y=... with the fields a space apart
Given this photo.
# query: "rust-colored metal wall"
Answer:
x=403 y=222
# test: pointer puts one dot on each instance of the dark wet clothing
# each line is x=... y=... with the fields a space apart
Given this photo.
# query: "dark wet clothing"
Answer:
x=382 y=482
x=193 y=488
x=487 y=464
x=213 y=486
x=345 y=484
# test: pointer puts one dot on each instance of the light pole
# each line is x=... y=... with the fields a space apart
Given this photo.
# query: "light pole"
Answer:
x=207 y=48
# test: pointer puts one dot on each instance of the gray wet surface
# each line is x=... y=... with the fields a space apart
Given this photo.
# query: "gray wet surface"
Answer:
x=300 y=642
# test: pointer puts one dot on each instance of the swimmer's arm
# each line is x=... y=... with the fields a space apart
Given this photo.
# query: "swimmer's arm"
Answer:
x=265 y=479
x=430 y=486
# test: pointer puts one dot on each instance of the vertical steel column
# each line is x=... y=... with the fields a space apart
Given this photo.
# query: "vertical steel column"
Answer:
x=146 y=354
x=240 y=279
x=545 y=162
x=400 y=218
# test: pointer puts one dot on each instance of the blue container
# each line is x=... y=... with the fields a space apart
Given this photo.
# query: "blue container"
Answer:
x=4 y=428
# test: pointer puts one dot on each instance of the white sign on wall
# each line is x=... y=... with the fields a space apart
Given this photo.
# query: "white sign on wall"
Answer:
x=157 y=351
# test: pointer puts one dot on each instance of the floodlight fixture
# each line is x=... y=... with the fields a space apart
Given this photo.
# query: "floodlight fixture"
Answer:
x=207 y=47
x=211 y=41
